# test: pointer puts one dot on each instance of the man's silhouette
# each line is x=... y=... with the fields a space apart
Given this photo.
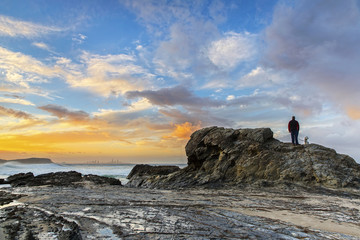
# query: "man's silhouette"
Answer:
x=294 y=128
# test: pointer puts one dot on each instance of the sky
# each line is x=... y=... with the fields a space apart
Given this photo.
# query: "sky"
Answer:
x=129 y=81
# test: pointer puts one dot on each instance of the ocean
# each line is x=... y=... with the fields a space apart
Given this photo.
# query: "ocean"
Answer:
x=118 y=171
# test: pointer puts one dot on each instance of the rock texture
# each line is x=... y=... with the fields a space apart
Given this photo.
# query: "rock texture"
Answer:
x=142 y=171
x=101 y=180
x=113 y=212
x=220 y=156
x=57 y=179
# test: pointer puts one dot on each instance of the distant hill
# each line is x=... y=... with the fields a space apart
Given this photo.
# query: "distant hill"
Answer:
x=29 y=161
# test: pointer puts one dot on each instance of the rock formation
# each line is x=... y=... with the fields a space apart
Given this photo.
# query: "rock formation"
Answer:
x=57 y=179
x=142 y=171
x=220 y=156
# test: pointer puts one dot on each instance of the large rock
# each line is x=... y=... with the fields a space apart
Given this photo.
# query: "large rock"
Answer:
x=20 y=179
x=101 y=180
x=58 y=179
x=142 y=172
x=219 y=156
x=54 y=179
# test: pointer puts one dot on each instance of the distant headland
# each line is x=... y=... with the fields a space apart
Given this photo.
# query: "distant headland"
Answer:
x=28 y=161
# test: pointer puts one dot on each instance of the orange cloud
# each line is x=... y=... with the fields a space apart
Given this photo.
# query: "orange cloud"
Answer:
x=70 y=135
x=184 y=131
x=353 y=112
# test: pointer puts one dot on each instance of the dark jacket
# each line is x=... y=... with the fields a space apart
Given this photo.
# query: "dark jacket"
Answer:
x=293 y=126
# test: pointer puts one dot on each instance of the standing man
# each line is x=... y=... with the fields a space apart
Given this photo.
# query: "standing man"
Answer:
x=294 y=128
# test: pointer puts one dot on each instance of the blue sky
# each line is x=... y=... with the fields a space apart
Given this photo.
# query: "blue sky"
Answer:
x=131 y=80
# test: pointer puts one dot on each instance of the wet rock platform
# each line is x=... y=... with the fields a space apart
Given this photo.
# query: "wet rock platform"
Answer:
x=91 y=211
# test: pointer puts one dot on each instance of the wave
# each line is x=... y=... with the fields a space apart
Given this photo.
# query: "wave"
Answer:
x=11 y=165
x=10 y=168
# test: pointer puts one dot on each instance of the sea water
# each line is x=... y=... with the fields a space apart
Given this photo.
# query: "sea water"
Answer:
x=118 y=171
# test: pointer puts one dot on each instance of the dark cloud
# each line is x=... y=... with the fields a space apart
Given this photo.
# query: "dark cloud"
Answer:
x=64 y=113
x=178 y=95
x=14 y=113
x=318 y=43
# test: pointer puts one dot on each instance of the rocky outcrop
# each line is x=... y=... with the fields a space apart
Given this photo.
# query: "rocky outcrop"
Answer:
x=20 y=179
x=101 y=180
x=220 y=156
x=57 y=179
x=142 y=171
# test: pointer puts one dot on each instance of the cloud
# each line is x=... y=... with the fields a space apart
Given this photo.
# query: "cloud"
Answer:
x=183 y=131
x=124 y=119
x=21 y=70
x=64 y=113
x=48 y=138
x=182 y=54
x=15 y=89
x=317 y=42
x=190 y=47
x=14 y=113
x=41 y=45
x=262 y=78
x=301 y=104
x=179 y=117
x=16 y=101
x=13 y=120
x=156 y=13
x=182 y=32
x=208 y=117
x=79 y=38
x=16 y=28
x=290 y=97
x=232 y=49
x=105 y=75
x=177 y=95
x=353 y=112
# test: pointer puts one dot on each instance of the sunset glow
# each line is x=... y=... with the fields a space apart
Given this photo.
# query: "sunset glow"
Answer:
x=130 y=81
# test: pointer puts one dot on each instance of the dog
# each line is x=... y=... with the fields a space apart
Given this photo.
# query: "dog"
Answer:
x=306 y=140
